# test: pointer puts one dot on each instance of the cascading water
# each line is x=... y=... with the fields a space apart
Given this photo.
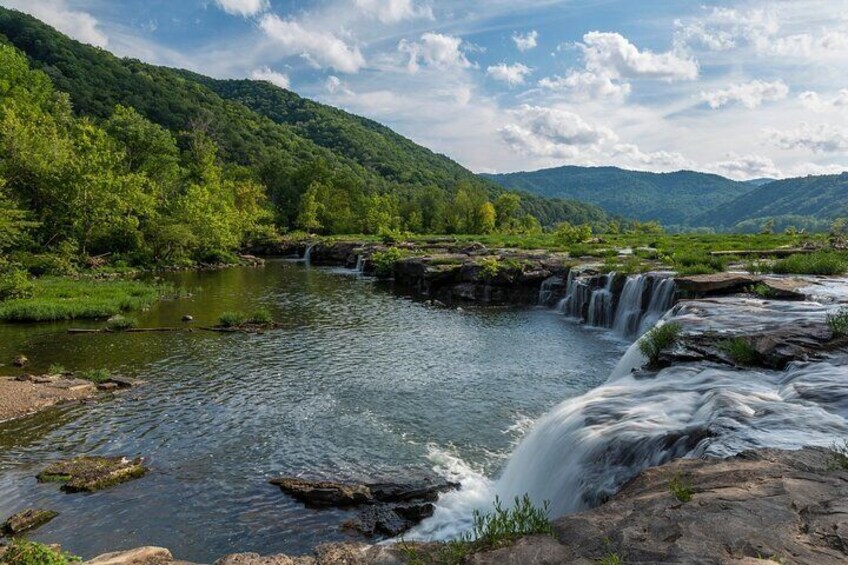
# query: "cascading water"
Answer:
x=662 y=298
x=586 y=448
x=307 y=256
x=629 y=312
x=360 y=264
x=601 y=311
x=547 y=289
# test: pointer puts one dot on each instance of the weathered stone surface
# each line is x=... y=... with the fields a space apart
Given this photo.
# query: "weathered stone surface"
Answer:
x=20 y=361
x=535 y=550
x=256 y=559
x=148 y=555
x=784 y=505
x=786 y=289
x=28 y=394
x=89 y=474
x=324 y=493
x=27 y=520
x=717 y=283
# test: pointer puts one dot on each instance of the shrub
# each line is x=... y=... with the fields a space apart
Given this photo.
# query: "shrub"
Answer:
x=680 y=487
x=762 y=290
x=56 y=369
x=15 y=284
x=96 y=375
x=567 y=234
x=505 y=525
x=659 y=339
x=384 y=261
x=23 y=552
x=261 y=316
x=838 y=322
x=218 y=257
x=819 y=263
x=839 y=456
x=121 y=323
x=232 y=319
x=489 y=267
x=757 y=267
x=611 y=559
x=740 y=351
x=48 y=264
x=698 y=263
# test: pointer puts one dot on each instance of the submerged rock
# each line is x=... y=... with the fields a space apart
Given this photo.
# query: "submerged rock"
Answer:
x=89 y=474
x=27 y=520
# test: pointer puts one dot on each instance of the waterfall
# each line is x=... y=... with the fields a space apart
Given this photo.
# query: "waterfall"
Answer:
x=547 y=289
x=360 y=264
x=307 y=256
x=600 y=305
x=662 y=299
x=629 y=312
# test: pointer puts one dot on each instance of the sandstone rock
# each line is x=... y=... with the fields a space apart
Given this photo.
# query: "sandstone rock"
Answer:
x=149 y=555
x=89 y=474
x=20 y=361
x=535 y=550
x=786 y=289
x=27 y=520
x=717 y=283
x=324 y=493
x=256 y=559
x=188 y=318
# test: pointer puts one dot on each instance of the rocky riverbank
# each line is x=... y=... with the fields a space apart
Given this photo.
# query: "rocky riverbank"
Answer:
x=764 y=506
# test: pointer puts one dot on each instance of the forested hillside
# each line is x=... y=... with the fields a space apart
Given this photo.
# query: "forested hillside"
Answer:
x=323 y=170
x=673 y=199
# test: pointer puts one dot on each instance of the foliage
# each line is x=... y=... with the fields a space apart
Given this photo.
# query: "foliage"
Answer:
x=838 y=322
x=610 y=559
x=490 y=267
x=384 y=261
x=121 y=323
x=818 y=263
x=762 y=290
x=698 y=263
x=741 y=351
x=261 y=317
x=97 y=376
x=66 y=299
x=566 y=234
x=681 y=487
x=24 y=552
x=232 y=319
x=659 y=339
x=56 y=369
x=14 y=283
x=757 y=267
x=839 y=456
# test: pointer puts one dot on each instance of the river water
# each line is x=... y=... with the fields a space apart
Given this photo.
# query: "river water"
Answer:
x=359 y=383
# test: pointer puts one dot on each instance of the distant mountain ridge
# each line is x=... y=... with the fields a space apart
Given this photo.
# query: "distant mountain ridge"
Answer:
x=689 y=199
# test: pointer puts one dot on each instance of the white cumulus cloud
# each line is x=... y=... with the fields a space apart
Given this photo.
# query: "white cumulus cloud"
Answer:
x=394 y=11
x=321 y=48
x=613 y=55
x=744 y=167
x=586 y=85
x=272 y=76
x=821 y=138
x=749 y=94
x=243 y=8
x=511 y=74
x=78 y=24
x=813 y=101
x=435 y=50
x=551 y=132
x=527 y=41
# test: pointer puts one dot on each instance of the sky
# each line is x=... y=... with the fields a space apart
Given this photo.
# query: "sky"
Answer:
x=745 y=89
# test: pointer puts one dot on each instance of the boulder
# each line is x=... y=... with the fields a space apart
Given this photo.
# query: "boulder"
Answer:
x=27 y=520
x=20 y=361
x=148 y=555
x=786 y=289
x=89 y=474
x=716 y=283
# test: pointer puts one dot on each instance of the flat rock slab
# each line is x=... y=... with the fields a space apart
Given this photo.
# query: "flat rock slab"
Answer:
x=148 y=555
x=717 y=283
x=27 y=520
x=89 y=474
x=20 y=397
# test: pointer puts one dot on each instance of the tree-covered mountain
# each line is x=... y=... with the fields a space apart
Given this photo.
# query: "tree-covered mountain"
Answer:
x=801 y=202
x=673 y=199
x=323 y=169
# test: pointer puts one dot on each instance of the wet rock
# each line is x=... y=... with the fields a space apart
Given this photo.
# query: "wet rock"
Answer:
x=324 y=493
x=20 y=361
x=149 y=555
x=89 y=474
x=390 y=520
x=715 y=284
x=107 y=387
x=188 y=318
x=786 y=289
x=124 y=382
x=27 y=520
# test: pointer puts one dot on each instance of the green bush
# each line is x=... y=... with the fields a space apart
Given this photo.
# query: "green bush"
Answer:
x=505 y=525
x=56 y=369
x=838 y=322
x=741 y=351
x=218 y=257
x=489 y=267
x=659 y=339
x=23 y=552
x=698 y=263
x=96 y=375
x=819 y=263
x=121 y=323
x=568 y=234
x=261 y=316
x=680 y=487
x=384 y=261
x=15 y=284
x=611 y=559
x=839 y=456
x=232 y=319
x=762 y=290
x=48 y=264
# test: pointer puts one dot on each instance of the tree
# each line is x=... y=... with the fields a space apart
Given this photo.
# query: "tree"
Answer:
x=309 y=209
x=567 y=234
x=507 y=206
x=487 y=217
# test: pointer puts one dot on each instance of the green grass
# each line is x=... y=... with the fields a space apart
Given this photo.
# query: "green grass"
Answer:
x=24 y=552
x=659 y=339
x=69 y=299
x=96 y=376
x=56 y=369
x=610 y=559
x=741 y=351
x=838 y=322
x=839 y=456
x=232 y=319
x=120 y=323
x=680 y=487
x=819 y=263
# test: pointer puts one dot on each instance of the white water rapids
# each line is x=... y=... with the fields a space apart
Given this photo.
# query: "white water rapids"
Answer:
x=587 y=447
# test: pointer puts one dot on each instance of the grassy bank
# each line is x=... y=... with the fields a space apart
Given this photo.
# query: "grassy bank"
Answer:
x=55 y=298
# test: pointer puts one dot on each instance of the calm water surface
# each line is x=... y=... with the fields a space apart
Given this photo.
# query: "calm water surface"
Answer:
x=359 y=383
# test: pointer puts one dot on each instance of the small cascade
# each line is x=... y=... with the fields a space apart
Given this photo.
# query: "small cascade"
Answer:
x=547 y=289
x=628 y=316
x=577 y=296
x=360 y=264
x=307 y=256
x=601 y=313
x=662 y=299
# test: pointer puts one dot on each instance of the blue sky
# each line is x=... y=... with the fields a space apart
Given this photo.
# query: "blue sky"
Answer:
x=745 y=88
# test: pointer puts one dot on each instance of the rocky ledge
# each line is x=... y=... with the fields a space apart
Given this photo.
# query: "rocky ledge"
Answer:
x=764 y=506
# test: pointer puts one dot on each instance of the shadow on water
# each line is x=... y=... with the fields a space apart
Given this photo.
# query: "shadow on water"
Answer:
x=357 y=382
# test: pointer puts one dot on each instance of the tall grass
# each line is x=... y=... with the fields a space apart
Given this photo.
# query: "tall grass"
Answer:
x=67 y=299
x=819 y=263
